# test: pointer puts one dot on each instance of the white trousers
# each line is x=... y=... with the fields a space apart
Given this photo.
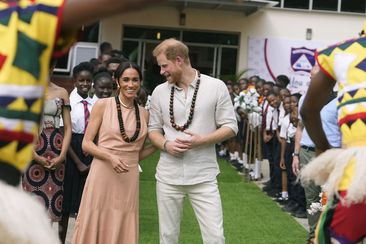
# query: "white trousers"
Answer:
x=206 y=203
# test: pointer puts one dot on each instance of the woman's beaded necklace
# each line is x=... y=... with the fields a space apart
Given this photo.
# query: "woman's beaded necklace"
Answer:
x=120 y=120
x=191 y=113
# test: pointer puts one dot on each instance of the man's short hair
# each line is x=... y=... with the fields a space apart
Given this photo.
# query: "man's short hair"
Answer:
x=172 y=48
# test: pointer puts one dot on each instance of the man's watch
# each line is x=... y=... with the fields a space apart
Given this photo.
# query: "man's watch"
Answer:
x=295 y=154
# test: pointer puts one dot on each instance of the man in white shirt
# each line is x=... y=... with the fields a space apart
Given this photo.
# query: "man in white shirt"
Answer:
x=189 y=114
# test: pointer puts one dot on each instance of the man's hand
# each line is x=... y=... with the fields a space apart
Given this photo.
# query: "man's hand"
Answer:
x=191 y=140
x=243 y=115
x=175 y=148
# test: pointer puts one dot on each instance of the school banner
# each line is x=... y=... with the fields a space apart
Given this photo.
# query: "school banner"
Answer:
x=270 y=57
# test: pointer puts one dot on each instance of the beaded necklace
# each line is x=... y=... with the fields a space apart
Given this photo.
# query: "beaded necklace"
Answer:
x=120 y=120
x=191 y=113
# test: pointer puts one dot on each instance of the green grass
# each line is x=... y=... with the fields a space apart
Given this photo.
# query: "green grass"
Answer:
x=249 y=215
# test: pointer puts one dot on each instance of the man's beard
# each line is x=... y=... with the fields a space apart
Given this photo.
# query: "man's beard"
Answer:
x=175 y=78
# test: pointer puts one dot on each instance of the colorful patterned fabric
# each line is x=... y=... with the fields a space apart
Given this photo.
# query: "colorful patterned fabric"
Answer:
x=46 y=184
x=342 y=224
x=28 y=35
x=346 y=63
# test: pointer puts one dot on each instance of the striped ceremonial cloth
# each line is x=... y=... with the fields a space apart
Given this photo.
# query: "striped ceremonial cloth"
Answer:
x=28 y=37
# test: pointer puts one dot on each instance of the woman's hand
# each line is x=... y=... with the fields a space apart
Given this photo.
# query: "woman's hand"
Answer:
x=118 y=165
x=282 y=164
x=83 y=169
x=56 y=162
x=44 y=162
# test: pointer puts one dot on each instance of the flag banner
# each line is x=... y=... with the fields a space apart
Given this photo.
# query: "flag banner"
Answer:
x=270 y=57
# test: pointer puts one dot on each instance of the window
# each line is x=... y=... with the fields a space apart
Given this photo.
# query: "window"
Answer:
x=278 y=5
x=90 y=33
x=210 y=37
x=63 y=64
x=351 y=6
x=355 y=6
x=301 y=4
x=150 y=33
x=330 y=5
x=229 y=58
x=131 y=48
x=213 y=53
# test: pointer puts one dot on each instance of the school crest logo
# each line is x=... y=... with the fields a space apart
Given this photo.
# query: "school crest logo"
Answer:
x=302 y=59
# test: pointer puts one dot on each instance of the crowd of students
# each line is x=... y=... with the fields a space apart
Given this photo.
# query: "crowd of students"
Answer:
x=279 y=120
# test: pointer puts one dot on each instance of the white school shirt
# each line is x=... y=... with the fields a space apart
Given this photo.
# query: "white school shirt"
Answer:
x=281 y=114
x=287 y=130
x=77 y=111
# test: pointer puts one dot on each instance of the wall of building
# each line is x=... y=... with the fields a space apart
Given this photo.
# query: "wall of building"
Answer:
x=277 y=23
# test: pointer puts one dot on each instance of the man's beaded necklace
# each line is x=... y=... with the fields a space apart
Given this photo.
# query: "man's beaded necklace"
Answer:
x=191 y=113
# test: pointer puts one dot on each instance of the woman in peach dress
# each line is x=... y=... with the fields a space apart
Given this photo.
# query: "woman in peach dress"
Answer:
x=109 y=206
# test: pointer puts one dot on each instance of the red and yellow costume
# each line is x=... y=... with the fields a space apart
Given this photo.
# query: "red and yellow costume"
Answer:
x=29 y=37
x=344 y=170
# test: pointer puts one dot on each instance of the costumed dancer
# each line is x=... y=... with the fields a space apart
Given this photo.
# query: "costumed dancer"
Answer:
x=343 y=170
x=25 y=55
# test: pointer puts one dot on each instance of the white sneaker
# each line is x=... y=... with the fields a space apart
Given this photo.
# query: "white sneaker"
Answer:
x=222 y=153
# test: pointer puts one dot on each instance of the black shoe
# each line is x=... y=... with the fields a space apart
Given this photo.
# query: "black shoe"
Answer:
x=267 y=183
x=233 y=162
x=290 y=206
x=272 y=193
x=236 y=165
x=300 y=213
x=267 y=188
x=239 y=167
x=282 y=200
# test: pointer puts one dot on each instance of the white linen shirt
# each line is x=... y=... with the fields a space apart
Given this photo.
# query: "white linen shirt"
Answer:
x=213 y=109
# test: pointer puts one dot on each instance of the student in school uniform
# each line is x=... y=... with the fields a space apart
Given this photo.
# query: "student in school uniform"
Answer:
x=102 y=84
x=296 y=203
x=270 y=138
x=77 y=162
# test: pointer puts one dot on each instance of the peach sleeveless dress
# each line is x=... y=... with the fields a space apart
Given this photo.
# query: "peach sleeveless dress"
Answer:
x=109 y=207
